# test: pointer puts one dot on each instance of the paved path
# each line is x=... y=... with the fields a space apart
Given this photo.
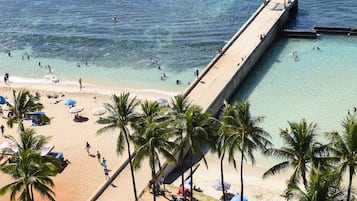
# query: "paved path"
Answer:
x=216 y=78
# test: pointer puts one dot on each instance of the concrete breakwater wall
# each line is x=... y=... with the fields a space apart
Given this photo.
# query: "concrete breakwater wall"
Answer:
x=216 y=103
x=223 y=75
x=232 y=75
x=248 y=65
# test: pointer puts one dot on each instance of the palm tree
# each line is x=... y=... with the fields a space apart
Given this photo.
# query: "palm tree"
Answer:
x=151 y=138
x=298 y=151
x=199 y=130
x=322 y=186
x=24 y=103
x=221 y=142
x=31 y=171
x=121 y=115
x=243 y=135
x=344 y=146
x=179 y=106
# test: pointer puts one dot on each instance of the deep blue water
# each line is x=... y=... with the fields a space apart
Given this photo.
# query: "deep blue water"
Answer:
x=178 y=36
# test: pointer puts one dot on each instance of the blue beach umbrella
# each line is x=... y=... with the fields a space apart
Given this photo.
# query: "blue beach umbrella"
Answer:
x=38 y=113
x=70 y=102
x=2 y=100
x=236 y=197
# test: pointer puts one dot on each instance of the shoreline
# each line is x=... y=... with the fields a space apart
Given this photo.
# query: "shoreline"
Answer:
x=88 y=88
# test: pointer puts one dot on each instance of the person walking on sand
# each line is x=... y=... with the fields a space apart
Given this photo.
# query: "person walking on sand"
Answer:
x=2 y=127
x=98 y=156
x=106 y=173
x=80 y=84
x=104 y=162
x=87 y=148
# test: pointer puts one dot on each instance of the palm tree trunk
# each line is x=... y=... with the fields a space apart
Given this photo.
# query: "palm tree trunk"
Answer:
x=153 y=176
x=32 y=193
x=21 y=126
x=28 y=193
x=191 y=175
x=222 y=177
x=131 y=166
x=241 y=169
x=182 y=162
x=304 y=178
x=241 y=177
x=350 y=183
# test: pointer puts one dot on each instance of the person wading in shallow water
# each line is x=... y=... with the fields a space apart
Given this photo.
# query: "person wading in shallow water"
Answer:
x=80 y=84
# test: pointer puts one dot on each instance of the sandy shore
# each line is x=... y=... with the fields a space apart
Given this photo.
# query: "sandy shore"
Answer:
x=84 y=175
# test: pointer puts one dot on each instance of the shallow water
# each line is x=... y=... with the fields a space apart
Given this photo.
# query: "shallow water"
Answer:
x=319 y=86
x=178 y=36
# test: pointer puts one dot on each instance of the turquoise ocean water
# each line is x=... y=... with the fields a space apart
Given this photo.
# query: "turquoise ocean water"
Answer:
x=80 y=39
x=320 y=85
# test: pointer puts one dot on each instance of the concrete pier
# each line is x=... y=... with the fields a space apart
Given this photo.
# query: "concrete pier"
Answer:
x=228 y=69
x=217 y=82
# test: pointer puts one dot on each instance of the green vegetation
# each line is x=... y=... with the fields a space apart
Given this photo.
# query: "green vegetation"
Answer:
x=24 y=103
x=29 y=170
x=121 y=115
x=182 y=128
x=239 y=132
x=151 y=138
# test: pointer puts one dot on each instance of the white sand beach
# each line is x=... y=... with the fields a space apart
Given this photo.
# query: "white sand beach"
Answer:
x=84 y=175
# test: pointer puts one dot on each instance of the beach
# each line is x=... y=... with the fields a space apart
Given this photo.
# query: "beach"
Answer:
x=84 y=174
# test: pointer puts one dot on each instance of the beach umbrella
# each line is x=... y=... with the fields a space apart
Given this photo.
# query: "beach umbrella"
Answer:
x=217 y=185
x=187 y=181
x=9 y=146
x=2 y=100
x=37 y=113
x=161 y=101
x=99 y=111
x=70 y=102
x=6 y=108
x=76 y=109
x=237 y=197
x=182 y=190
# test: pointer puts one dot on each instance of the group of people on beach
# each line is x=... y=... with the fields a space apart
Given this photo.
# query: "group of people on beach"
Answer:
x=101 y=160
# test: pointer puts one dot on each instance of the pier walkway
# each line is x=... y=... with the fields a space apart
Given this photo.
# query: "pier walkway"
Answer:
x=210 y=89
x=214 y=84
